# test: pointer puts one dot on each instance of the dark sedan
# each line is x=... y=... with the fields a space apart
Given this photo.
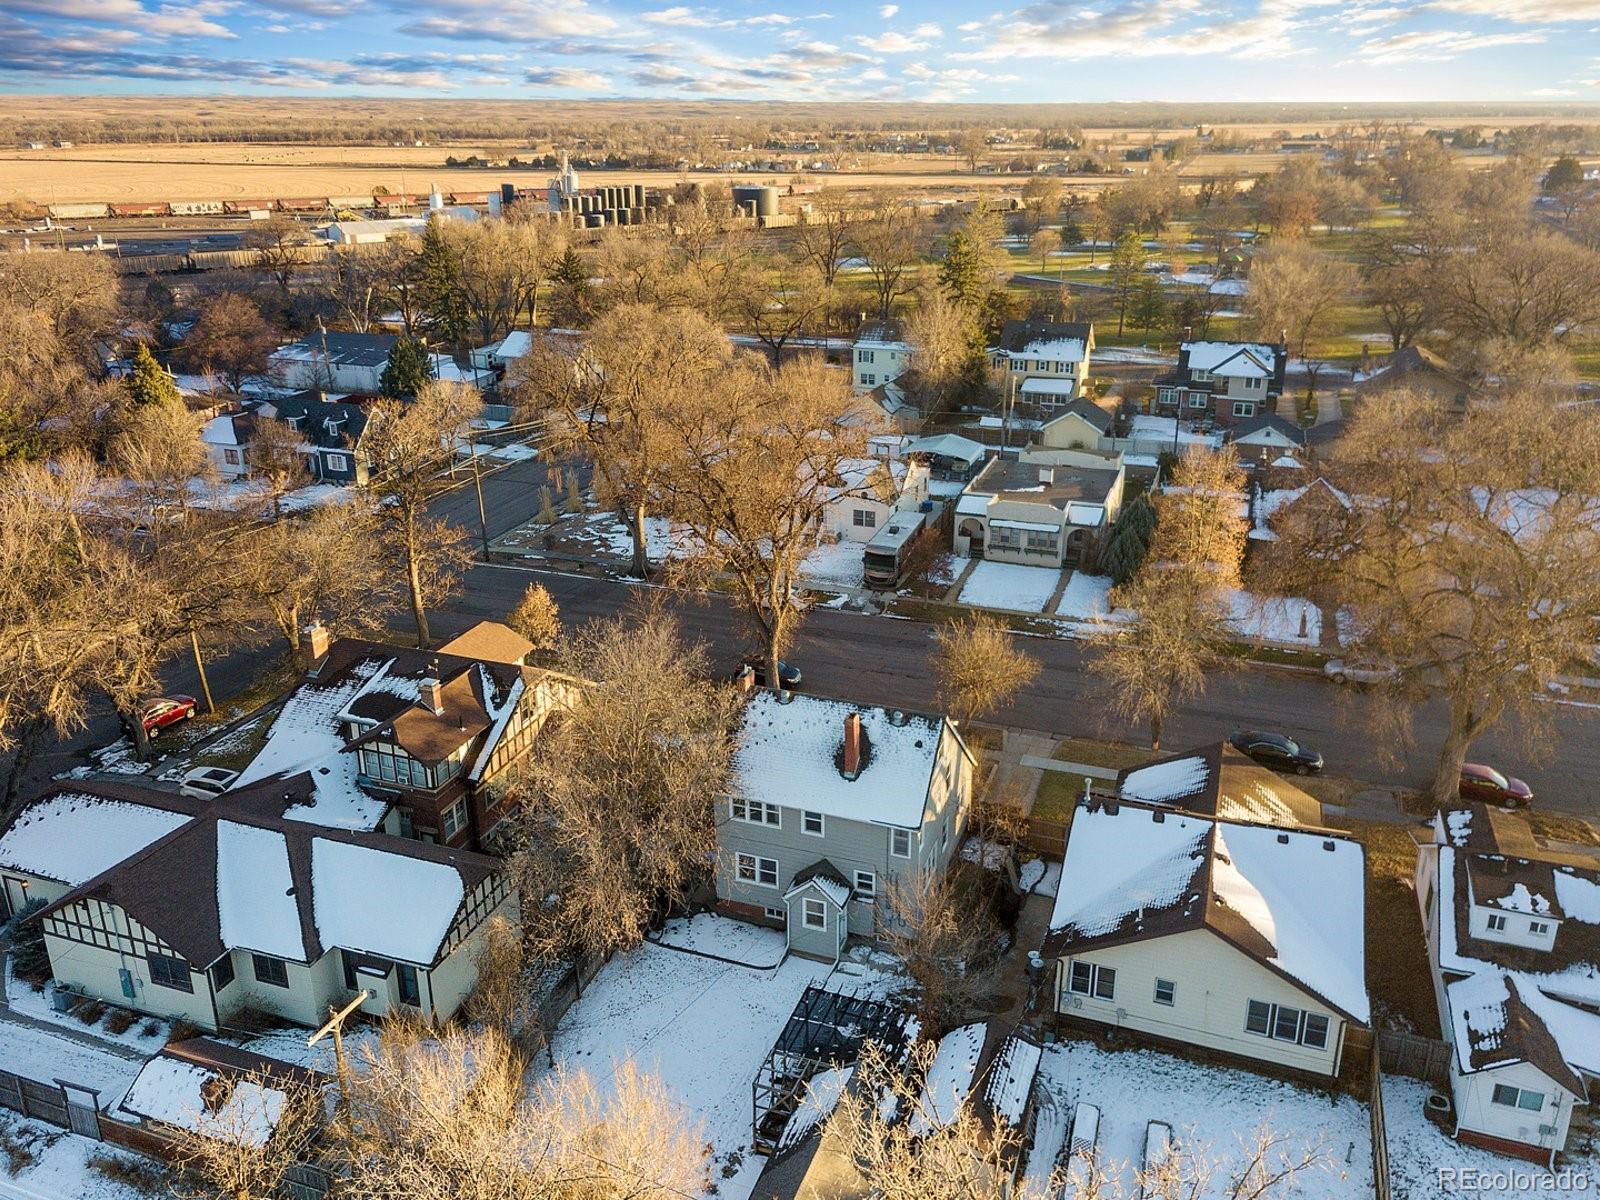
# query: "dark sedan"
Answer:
x=1480 y=782
x=1277 y=752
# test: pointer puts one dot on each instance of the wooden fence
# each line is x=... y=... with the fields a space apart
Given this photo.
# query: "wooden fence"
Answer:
x=1380 y=1131
x=60 y=1103
x=1427 y=1059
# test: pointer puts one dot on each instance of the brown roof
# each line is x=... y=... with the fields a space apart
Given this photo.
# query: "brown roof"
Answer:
x=490 y=641
x=1236 y=788
x=1519 y=1034
x=237 y=1061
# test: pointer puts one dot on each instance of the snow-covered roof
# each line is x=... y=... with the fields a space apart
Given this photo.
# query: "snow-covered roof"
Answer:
x=1009 y=1080
x=256 y=909
x=175 y=1093
x=516 y=344
x=74 y=834
x=822 y=1093
x=1040 y=386
x=1052 y=349
x=1247 y=359
x=351 y=885
x=950 y=1077
x=948 y=445
x=1163 y=782
x=1217 y=780
x=1293 y=900
x=788 y=754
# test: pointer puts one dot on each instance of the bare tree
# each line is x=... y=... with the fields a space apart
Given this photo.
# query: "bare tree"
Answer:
x=231 y=337
x=821 y=238
x=758 y=460
x=977 y=668
x=890 y=241
x=1295 y=294
x=159 y=452
x=780 y=299
x=536 y=617
x=1525 y=287
x=278 y=242
x=1178 y=631
x=948 y=941
x=409 y=446
x=248 y=1133
x=946 y=348
x=277 y=459
x=73 y=295
x=616 y=823
x=1466 y=558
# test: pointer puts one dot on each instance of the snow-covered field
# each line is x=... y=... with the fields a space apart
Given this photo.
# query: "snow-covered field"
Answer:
x=1088 y=598
x=833 y=564
x=706 y=933
x=1211 y=1109
x=1418 y=1151
x=61 y=1167
x=1010 y=585
x=700 y=1026
x=1284 y=619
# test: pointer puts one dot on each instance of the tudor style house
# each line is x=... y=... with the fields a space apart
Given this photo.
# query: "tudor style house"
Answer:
x=1513 y=934
x=831 y=804
x=1224 y=382
x=411 y=741
x=1242 y=938
x=200 y=909
x=1045 y=362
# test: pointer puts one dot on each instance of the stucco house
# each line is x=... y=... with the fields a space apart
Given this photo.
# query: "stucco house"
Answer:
x=1049 y=508
x=1513 y=934
x=881 y=353
x=1240 y=938
x=1045 y=363
x=1225 y=382
x=868 y=492
x=232 y=904
x=832 y=803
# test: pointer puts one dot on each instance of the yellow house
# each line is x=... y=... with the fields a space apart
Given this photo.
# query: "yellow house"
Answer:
x=1241 y=938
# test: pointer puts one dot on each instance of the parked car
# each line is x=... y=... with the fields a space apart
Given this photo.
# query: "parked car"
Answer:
x=788 y=677
x=1344 y=671
x=1480 y=782
x=163 y=711
x=1276 y=751
x=207 y=783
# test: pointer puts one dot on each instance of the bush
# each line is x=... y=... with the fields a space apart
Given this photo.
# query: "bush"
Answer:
x=183 y=1030
x=89 y=1011
x=140 y=1174
x=29 y=958
x=120 y=1021
x=150 y=1028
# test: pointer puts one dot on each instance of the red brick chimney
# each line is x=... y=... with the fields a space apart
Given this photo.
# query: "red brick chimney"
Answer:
x=852 y=745
x=318 y=639
x=746 y=682
x=431 y=692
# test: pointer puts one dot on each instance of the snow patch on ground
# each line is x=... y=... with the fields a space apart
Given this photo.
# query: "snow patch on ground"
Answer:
x=1286 y=619
x=61 y=1168
x=707 y=933
x=44 y=1056
x=1010 y=585
x=21 y=997
x=1210 y=1106
x=837 y=564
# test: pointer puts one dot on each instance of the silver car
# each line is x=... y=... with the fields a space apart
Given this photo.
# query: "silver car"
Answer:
x=207 y=783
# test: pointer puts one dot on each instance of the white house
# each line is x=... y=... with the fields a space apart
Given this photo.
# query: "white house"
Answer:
x=831 y=804
x=869 y=492
x=881 y=354
x=1513 y=933
x=334 y=362
x=227 y=438
x=512 y=348
x=1046 y=509
x=1240 y=938
x=1046 y=362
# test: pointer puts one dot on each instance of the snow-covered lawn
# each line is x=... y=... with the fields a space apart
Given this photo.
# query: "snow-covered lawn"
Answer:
x=1010 y=585
x=706 y=933
x=44 y=1056
x=1276 y=618
x=601 y=533
x=21 y=997
x=699 y=1026
x=835 y=564
x=60 y=1168
x=1419 y=1150
x=1088 y=598
x=1211 y=1109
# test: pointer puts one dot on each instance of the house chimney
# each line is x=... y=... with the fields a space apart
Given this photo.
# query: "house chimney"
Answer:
x=746 y=682
x=431 y=693
x=852 y=745
x=318 y=639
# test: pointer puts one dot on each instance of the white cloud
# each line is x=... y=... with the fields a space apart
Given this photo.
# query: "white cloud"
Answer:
x=888 y=10
x=893 y=42
x=927 y=30
x=1438 y=45
x=1524 y=12
x=571 y=78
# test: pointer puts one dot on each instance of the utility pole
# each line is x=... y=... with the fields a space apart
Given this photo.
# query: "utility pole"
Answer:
x=200 y=666
x=477 y=483
x=335 y=1025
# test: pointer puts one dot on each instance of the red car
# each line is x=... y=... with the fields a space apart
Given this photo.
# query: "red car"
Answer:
x=1479 y=782
x=167 y=710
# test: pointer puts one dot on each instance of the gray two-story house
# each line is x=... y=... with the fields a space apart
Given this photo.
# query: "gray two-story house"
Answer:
x=831 y=805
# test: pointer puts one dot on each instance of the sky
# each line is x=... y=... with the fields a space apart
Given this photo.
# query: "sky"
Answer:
x=938 y=50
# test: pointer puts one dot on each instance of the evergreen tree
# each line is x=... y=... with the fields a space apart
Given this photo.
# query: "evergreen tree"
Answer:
x=148 y=383
x=407 y=370
x=1149 y=306
x=1072 y=235
x=961 y=270
x=29 y=957
x=1566 y=174
x=1127 y=265
x=1130 y=540
x=571 y=280
x=439 y=286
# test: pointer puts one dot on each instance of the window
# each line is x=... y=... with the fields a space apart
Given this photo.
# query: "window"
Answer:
x=864 y=356
x=455 y=818
x=1538 y=928
x=754 y=812
x=866 y=885
x=776 y=914
x=270 y=970
x=900 y=843
x=1244 y=408
x=1514 y=1097
x=338 y=462
x=1284 y=1024
x=754 y=869
x=231 y=457
x=1497 y=923
x=1197 y=399
x=169 y=972
x=222 y=973
x=864 y=518
x=407 y=978
x=1090 y=979
x=1166 y=992
x=811 y=822
x=1254 y=385
x=815 y=915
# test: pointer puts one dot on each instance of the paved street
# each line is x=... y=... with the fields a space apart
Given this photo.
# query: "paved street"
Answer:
x=884 y=660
